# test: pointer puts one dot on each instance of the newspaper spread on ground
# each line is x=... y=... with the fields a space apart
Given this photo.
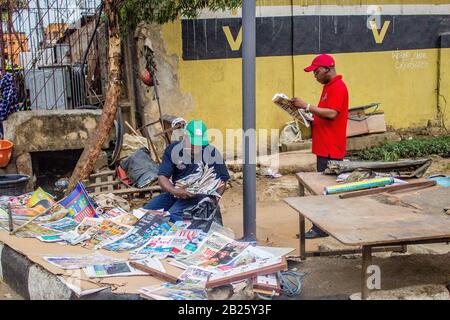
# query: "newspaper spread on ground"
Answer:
x=225 y=255
x=210 y=246
x=113 y=213
x=262 y=263
x=62 y=225
x=106 y=232
x=248 y=256
x=50 y=238
x=112 y=270
x=34 y=230
x=83 y=231
x=191 y=287
x=146 y=227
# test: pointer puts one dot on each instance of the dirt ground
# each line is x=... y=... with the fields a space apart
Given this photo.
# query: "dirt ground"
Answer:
x=6 y=293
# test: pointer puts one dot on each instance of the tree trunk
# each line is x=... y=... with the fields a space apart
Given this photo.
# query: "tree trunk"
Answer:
x=93 y=146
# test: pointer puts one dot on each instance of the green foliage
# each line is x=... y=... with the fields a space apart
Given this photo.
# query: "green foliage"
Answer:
x=132 y=12
x=415 y=148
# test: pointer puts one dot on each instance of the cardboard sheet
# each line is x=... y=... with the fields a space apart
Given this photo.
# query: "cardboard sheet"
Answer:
x=34 y=249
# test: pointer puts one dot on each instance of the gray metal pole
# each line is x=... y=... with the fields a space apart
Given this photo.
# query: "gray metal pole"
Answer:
x=249 y=116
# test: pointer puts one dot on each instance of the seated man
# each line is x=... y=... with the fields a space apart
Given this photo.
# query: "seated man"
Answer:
x=181 y=159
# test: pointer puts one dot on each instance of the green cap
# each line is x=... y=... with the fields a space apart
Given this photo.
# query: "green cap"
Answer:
x=196 y=131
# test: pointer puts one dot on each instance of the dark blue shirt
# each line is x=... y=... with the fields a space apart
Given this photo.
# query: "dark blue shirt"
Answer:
x=177 y=164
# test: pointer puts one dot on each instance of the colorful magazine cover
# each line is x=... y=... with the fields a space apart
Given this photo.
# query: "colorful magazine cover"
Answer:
x=33 y=230
x=40 y=196
x=147 y=226
x=195 y=278
x=22 y=211
x=21 y=200
x=258 y=264
x=248 y=256
x=178 y=226
x=225 y=255
x=208 y=248
x=83 y=231
x=127 y=219
x=107 y=231
x=158 y=244
x=195 y=238
x=79 y=204
x=50 y=238
x=113 y=213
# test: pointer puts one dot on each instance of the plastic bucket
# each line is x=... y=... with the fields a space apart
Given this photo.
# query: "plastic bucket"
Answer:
x=13 y=184
x=5 y=152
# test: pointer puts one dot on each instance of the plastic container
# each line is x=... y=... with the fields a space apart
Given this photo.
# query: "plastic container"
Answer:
x=13 y=184
x=5 y=152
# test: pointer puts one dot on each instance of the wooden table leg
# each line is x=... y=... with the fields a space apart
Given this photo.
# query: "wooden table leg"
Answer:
x=301 y=189
x=301 y=237
x=366 y=262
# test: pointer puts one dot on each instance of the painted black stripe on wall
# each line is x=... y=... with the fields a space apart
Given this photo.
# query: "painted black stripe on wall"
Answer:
x=206 y=38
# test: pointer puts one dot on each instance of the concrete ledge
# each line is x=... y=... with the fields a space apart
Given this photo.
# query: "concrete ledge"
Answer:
x=33 y=282
x=283 y=162
x=36 y=131
x=371 y=140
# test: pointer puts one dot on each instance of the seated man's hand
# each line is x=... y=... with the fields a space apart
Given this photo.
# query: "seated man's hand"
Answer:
x=182 y=193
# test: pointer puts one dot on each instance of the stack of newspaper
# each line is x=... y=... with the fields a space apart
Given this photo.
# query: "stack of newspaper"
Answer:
x=283 y=101
x=204 y=181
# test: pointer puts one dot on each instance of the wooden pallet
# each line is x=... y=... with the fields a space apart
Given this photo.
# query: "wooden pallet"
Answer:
x=106 y=182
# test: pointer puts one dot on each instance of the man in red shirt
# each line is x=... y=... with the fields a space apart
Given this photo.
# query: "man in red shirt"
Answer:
x=329 y=128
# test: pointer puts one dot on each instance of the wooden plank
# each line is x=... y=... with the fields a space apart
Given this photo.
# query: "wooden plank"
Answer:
x=110 y=180
x=131 y=190
x=155 y=273
x=103 y=173
x=103 y=184
x=98 y=189
x=401 y=187
x=376 y=219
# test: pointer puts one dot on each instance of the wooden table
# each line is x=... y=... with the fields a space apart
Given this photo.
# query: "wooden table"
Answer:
x=314 y=183
x=374 y=221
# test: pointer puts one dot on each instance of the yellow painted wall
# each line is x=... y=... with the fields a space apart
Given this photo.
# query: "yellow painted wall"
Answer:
x=444 y=86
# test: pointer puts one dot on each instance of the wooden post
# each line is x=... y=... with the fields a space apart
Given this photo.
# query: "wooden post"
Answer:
x=92 y=149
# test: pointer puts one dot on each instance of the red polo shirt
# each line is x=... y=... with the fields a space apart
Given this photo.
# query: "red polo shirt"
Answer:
x=329 y=136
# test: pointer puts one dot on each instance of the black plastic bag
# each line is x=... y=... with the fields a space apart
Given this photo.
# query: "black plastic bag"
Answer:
x=140 y=168
x=203 y=214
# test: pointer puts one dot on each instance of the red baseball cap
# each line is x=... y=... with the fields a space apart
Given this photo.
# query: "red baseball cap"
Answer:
x=322 y=60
